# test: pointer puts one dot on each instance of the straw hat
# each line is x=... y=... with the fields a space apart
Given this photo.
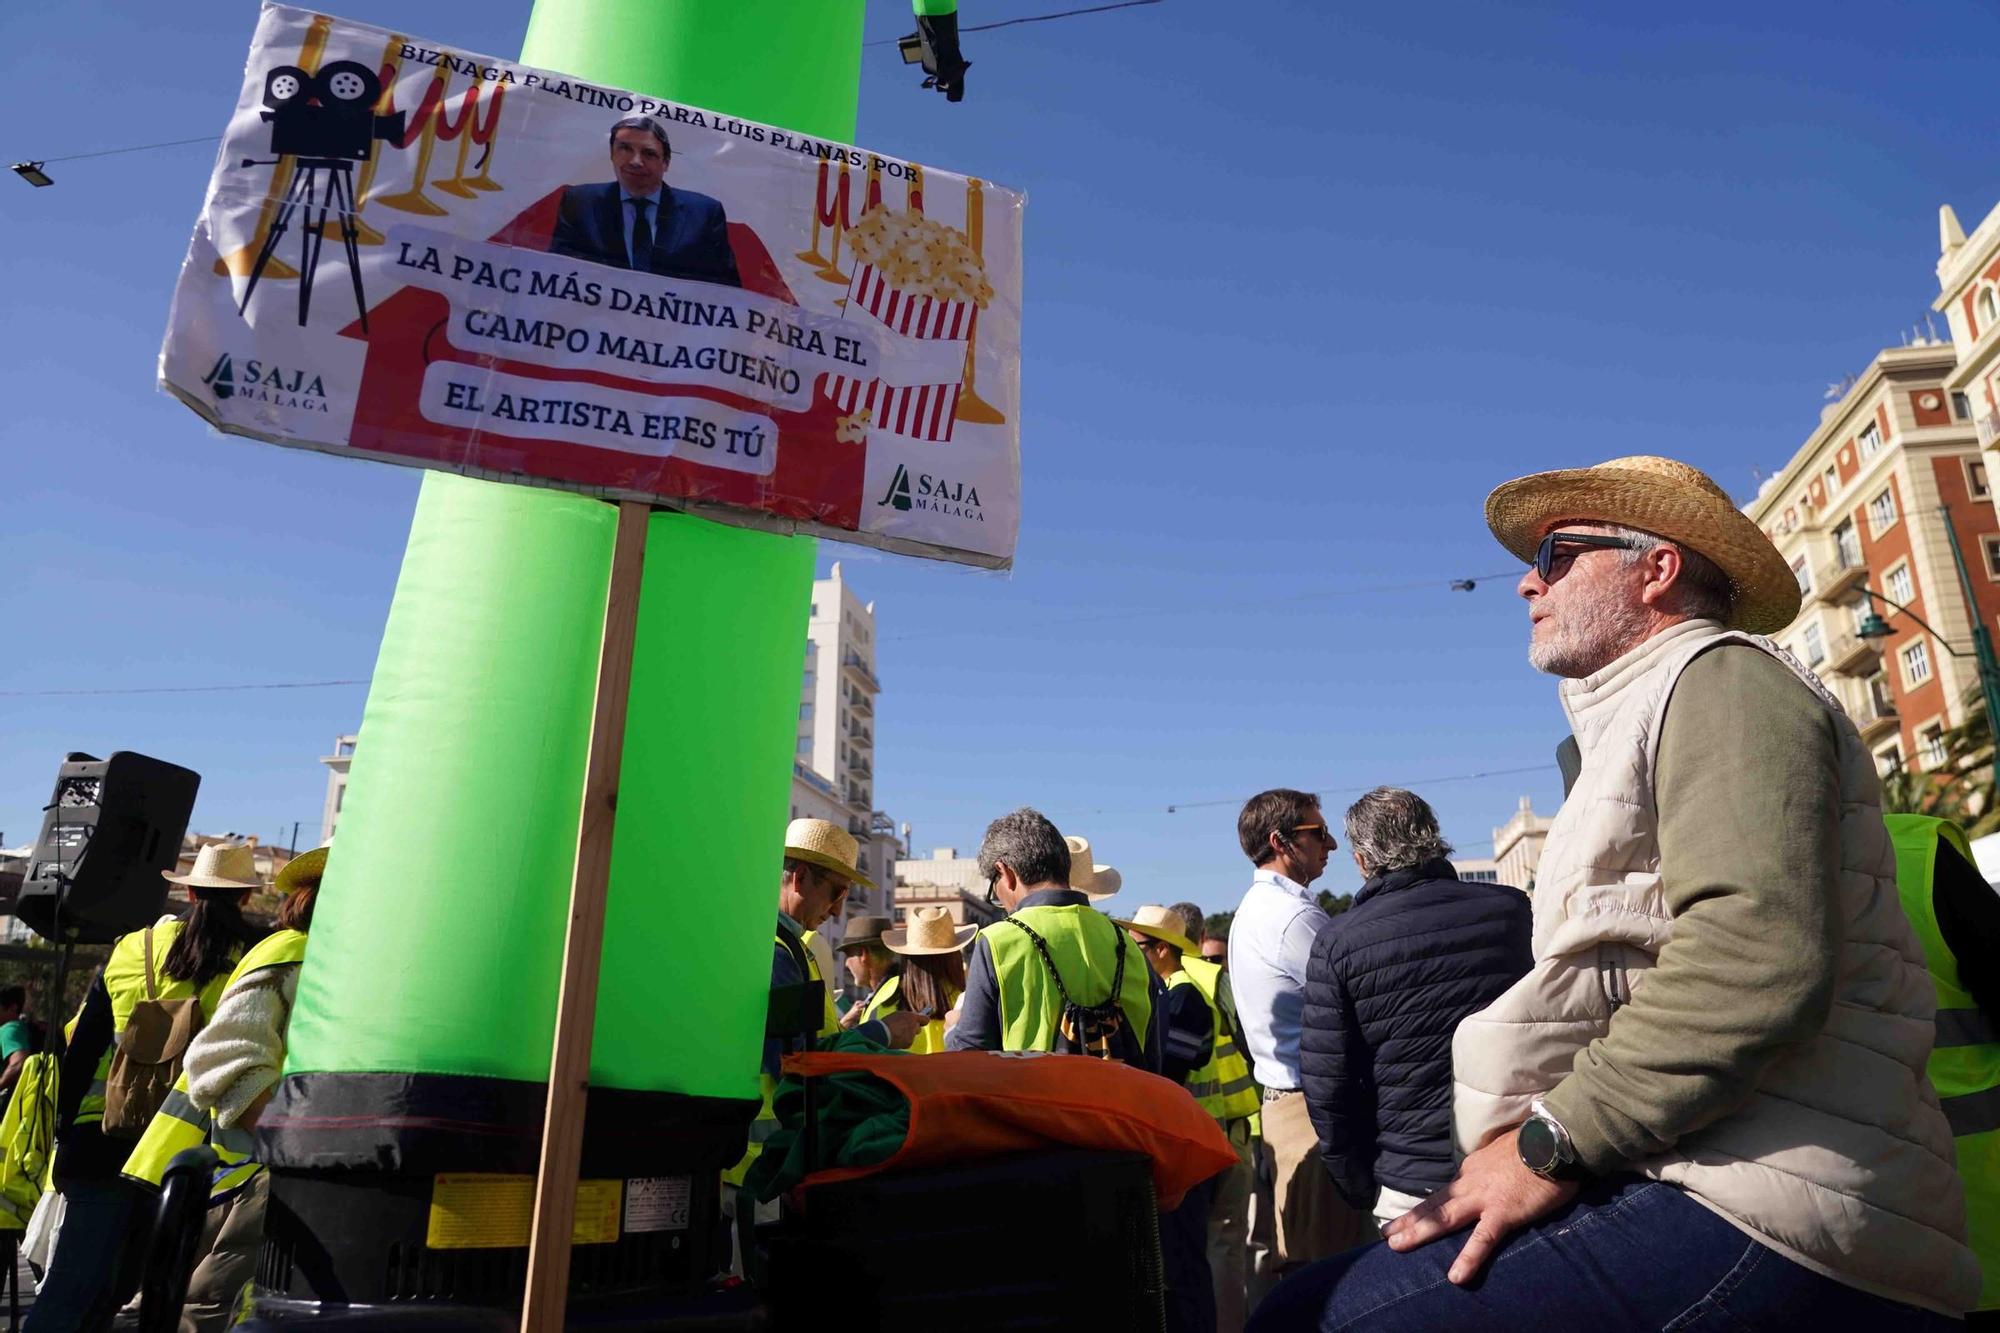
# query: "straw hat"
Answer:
x=1091 y=880
x=302 y=871
x=863 y=930
x=220 y=866
x=828 y=846
x=1661 y=496
x=931 y=930
x=1162 y=923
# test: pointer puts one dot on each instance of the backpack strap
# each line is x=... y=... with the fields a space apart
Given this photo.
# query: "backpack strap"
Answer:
x=152 y=988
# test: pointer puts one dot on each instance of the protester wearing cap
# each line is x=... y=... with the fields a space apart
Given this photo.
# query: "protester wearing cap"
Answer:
x=96 y=1268
x=868 y=965
x=930 y=975
x=230 y=1069
x=1013 y=994
x=822 y=862
x=1707 y=1099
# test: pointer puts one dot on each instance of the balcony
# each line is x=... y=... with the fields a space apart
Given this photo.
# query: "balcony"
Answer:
x=1876 y=718
x=852 y=664
x=1987 y=427
x=1853 y=655
x=860 y=767
x=857 y=732
x=859 y=797
x=1838 y=580
x=862 y=705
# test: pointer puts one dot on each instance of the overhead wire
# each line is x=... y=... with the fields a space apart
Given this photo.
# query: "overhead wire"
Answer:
x=183 y=689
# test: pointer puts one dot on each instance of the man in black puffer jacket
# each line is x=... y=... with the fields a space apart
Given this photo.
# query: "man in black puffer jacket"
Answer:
x=1386 y=986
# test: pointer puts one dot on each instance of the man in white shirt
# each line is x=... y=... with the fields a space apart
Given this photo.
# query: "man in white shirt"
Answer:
x=1270 y=941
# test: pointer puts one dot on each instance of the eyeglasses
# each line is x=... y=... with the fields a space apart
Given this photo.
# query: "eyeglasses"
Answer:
x=992 y=884
x=1545 y=554
x=1325 y=833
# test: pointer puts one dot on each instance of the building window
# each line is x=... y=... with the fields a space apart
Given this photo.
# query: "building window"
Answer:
x=1916 y=664
x=1930 y=745
x=1889 y=762
x=805 y=712
x=1992 y=548
x=1815 y=645
x=1975 y=479
x=1831 y=480
x=1803 y=573
x=1989 y=308
x=1961 y=406
x=815 y=606
x=1847 y=545
x=1871 y=440
x=1882 y=512
x=805 y=744
x=1899 y=584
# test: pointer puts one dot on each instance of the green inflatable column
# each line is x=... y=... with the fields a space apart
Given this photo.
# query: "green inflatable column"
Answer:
x=420 y=1040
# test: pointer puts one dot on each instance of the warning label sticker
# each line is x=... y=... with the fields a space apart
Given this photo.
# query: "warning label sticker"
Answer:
x=657 y=1203
x=495 y=1212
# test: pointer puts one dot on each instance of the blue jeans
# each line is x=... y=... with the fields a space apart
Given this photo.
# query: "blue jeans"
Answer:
x=97 y=1261
x=1626 y=1254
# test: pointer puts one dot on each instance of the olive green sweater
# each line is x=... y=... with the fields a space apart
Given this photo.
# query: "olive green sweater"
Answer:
x=1749 y=822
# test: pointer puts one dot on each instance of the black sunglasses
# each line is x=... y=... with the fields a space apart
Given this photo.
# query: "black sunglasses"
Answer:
x=1545 y=554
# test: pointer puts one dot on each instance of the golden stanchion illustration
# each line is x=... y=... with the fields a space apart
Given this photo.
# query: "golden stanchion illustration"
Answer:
x=391 y=65
x=825 y=213
x=241 y=260
x=425 y=125
x=916 y=204
x=469 y=131
x=971 y=407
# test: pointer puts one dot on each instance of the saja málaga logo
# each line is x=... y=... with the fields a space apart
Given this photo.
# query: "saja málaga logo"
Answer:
x=258 y=381
x=931 y=494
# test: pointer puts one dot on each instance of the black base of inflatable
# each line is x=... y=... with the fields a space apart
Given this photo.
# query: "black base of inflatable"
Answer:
x=359 y=1238
x=729 y=1311
x=1057 y=1240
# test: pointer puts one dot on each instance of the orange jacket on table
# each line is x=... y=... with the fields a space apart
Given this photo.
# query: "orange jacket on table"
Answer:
x=966 y=1105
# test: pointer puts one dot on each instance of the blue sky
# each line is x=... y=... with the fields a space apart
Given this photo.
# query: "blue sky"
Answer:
x=1304 y=282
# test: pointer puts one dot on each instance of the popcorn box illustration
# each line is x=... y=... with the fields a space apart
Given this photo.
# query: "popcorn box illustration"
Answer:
x=921 y=281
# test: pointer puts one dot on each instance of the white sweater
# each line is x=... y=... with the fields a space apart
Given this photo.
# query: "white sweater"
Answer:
x=233 y=1060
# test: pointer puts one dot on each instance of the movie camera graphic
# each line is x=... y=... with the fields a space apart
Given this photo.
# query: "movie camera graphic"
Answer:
x=325 y=123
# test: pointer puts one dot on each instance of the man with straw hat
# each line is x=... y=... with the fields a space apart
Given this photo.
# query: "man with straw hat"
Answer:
x=1056 y=974
x=1706 y=1100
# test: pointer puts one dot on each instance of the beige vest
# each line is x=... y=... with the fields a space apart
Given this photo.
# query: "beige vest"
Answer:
x=1841 y=1159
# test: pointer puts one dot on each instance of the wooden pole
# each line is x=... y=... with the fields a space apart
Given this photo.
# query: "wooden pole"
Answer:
x=547 y=1296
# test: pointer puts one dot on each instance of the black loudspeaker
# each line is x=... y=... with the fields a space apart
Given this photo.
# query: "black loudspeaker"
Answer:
x=111 y=828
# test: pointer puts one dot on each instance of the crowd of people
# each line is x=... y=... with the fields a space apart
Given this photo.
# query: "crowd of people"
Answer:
x=1731 y=1062
x=1723 y=1066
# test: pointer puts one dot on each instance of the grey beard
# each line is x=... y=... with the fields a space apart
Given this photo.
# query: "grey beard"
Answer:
x=1594 y=639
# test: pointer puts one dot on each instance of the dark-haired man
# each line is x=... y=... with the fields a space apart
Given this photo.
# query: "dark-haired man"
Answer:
x=1014 y=992
x=640 y=222
x=1270 y=940
x=17 y=1043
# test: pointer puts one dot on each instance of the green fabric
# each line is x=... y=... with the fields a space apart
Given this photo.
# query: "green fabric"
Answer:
x=14 y=1036
x=1749 y=832
x=1084 y=945
x=932 y=8
x=862 y=1120
x=1956 y=1070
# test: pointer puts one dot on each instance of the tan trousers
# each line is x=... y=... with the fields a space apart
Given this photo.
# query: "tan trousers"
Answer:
x=1313 y=1221
x=1228 y=1232
x=230 y=1241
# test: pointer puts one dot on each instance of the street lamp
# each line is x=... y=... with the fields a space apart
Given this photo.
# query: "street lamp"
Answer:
x=1873 y=629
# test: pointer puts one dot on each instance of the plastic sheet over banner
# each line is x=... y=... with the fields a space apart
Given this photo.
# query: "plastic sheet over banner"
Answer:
x=421 y=255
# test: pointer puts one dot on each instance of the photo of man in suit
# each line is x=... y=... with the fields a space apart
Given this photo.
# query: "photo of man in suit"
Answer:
x=640 y=222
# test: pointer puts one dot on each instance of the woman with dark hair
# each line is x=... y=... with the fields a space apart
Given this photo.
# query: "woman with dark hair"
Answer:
x=932 y=948
x=232 y=1066
x=168 y=965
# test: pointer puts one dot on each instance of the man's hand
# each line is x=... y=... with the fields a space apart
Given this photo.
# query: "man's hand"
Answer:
x=1494 y=1194
x=853 y=1014
x=904 y=1027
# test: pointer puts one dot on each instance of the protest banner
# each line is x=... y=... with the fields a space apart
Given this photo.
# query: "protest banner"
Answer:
x=431 y=257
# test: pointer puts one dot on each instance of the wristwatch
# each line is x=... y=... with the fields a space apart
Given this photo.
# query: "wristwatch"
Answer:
x=1545 y=1146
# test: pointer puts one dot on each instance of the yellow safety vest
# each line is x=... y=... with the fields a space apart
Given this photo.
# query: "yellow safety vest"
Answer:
x=180 y=1124
x=888 y=999
x=1083 y=947
x=27 y=1136
x=766 y=1123
x=1223 y=1086
x=125 y=983
x=1965 y=1064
